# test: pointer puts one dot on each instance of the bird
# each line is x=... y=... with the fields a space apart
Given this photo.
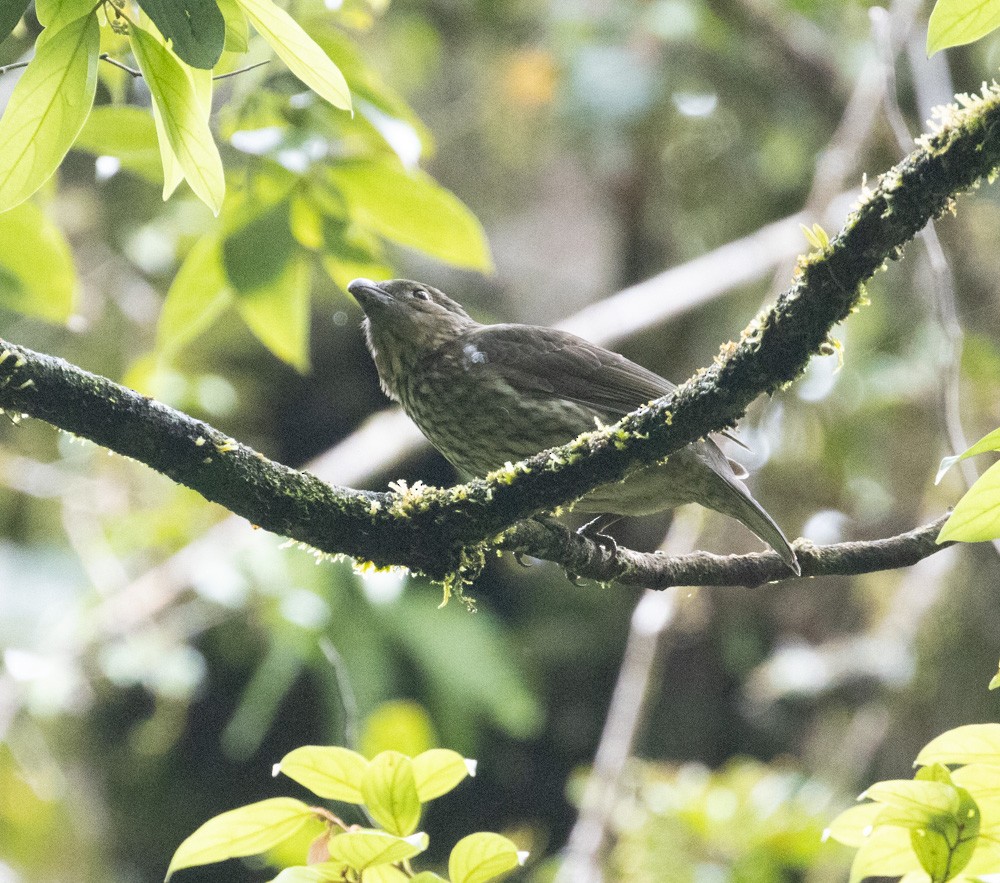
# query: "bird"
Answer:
x=488 y=394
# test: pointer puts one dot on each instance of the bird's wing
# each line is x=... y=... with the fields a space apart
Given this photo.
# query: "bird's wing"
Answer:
x=568 y=367
x=564 y=366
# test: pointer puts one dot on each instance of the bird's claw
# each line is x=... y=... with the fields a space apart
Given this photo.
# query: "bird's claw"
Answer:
x=519 y=558
x=594 y=531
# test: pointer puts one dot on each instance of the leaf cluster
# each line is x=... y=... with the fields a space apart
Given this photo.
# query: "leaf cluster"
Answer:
x=941 y=826
x=391 y=789
x=310 y=188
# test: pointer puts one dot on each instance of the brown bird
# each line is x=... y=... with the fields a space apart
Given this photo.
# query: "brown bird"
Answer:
x=487 y=394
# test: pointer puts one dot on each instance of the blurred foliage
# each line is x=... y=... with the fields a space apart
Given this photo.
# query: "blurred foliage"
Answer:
x=747 y=822
x=599 y=143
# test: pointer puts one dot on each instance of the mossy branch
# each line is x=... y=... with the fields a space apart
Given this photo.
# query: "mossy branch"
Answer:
x=445 y=532
x=625 y=567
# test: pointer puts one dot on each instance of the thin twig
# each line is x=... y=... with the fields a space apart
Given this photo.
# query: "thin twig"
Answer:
x=131 y=71
x=242 y=70
x=14 y=65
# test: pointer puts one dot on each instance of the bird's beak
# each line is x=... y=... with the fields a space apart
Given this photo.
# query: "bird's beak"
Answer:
x=368 y=294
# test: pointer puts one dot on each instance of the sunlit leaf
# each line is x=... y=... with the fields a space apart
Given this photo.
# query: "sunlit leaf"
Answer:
x=47 y=109
x=956 y=22
x=413 y=210
x=195 y=28
x=311 y=874
x=197 y=296
x=886 y=853
x=390 y=793
x=10 y=14
x=173 y=174
x=853 y=826
x=438 y=771
x=363 y=849
x=54 y=14
x=367 y=85
x=237 y=28
x=299 y=51
x=973 y=743
x=328 y=771
x=182 y=115
x=386 y=874
x=976 y=516
x=278 y=314
x=248 y=830
x=989 y=442
x=483 y=856
x=926 y=797
x=126 y=133
x=36 y=267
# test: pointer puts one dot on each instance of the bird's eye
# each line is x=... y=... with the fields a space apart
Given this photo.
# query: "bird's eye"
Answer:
x=420 y=294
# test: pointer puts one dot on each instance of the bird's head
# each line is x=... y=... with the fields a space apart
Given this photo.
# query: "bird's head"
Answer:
x=405 y=320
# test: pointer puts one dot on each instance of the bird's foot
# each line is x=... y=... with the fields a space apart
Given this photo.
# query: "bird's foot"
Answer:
x=594 y=531
x=519 y=558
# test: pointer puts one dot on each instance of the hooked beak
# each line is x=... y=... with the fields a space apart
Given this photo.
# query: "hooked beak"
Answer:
x=369 y=295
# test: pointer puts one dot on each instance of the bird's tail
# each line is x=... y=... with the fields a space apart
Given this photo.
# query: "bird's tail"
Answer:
x=741 y=505
x=732 y=497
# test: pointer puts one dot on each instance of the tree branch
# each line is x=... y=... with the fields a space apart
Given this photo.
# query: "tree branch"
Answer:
x=444 y=533
x=653 y=570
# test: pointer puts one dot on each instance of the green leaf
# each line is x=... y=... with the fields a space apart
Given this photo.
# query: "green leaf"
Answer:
x=853 y=826
x=956 y=22
x=278 y=314
x=55 y=14
x=385 y=874
x=969 y=821
x=973 y=743
x=933 y=853
x=173 y=174
x=994 y=681
x=47 y=109
x=248 y=830
x=10 y=14
x=427 y=877
x=195 y=28
x=989 y=442
x=886 y=853
x=328 y=771
x=923 y=799
x=411 y=209
x=366 y=848
x=483 y=856
x=438 y=771
x=237 y=29
x=36 y=267
x=196 y=298
x=126 y=133
x=299 y=51
x=256 y=254
x=313 y=874
x=182 y=117
x=976 y=516
x=390 y=793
